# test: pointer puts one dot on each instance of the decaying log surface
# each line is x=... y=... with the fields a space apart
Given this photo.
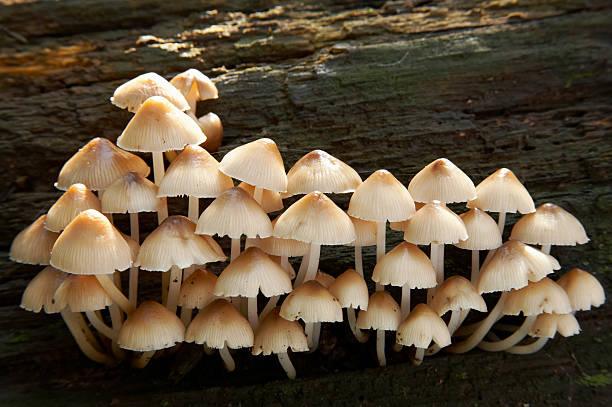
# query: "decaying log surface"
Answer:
x=394 y=85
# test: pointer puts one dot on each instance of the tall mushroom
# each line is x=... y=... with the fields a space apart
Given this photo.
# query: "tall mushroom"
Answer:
x=383 y=314
x=351 y=290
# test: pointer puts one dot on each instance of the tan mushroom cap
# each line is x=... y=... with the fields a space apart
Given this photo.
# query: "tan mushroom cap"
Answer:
x=401 y=226
x=543 y=296
x=97 y=164
x=158 y=126
x=421 y=327
x=383 y=313
x=549 y=224
x=380 y=198
x=219 y=323
x=547 y=325
x=33 y=244
x=75 y=200
x=133 y=93
x=351 y=290
x=405 y=264
x=39 y=292
x=253 y=271
x=193 y=82
x=151 y=327
x=483 y=232
x=513 y=266
x=282 y=247
x=81 y=293
x=365 y=232
x=315 y=219
x=277 y=335
x=194 y=173
x=311 y=302
x=456 y=293
x=258 y=163
x=234 y=213
x=320 y=171
x=583 y=289
x=198 y=289
x=435 y=223
x=90 y=244
x=502 y=192
x=443 y=181
x=131 y=193
x=211 y=125
x=174 y=243
x=324 y=279
x=271 y=201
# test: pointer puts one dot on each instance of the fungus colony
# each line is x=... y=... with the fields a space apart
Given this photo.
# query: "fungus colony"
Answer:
x=82 y=278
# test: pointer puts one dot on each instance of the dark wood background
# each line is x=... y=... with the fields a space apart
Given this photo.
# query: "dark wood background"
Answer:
x=521 y=84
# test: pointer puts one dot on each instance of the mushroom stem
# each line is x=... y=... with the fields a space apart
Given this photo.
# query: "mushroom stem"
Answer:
x=133 y=285
x=117 y=321
x=77 y=327
x=193 y=209
x=418 y=356
x=528 y=349
x=252 y=312
x=309 y=331
x=97 y=323
x=158 y=174
x=303 y=268
x=115 y=294
x=143 y=359
x=434 y=257
x=235 y=248
x=358 y=261
x=381 y=232
x=316 y=334
x=501 y=222
x=285 y=362
x=380 y=347
x=475 y=266
x=313 y=262
x=545 y=248
x=176 y=276
x=405 y=305
x=511 y=340
x=186 y=315
x=474 y=339
x=361 y=336
x=228 y=361
x=269 y=306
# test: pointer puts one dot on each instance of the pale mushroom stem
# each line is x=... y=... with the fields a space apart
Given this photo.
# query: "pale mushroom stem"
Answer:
x=135 y=235
x=440 y=268
x=405 y=304
x=117 y=322
x=545 y=248
x=475 y=266
x=511 y=340
x=252 y=312
x=475 y=338
x=313 y=262
x=381 y=232
x=361 y=336
x=115 y=294
x=309 y=331
x=228 y=361
x=358 y=261
x=418 y=356
x=501 y=222
x=193 y=208
x=158 y=174
x=528 y=349
x=143 y=360
x=76 y=325
x=316 y=334
x=186 y=315
x=235 y=248
x=285 y=362
x=303 y=267
x=380 y=347
x=434 y=255
x=176 y=276
x=97 y=323
x=454 y=322
x=269 y=306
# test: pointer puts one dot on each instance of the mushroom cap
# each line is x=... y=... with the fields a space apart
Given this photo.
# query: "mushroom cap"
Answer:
x=502 y=192
x=405 y=264
x=40 y=291
x=547 y=325
x=159 y=126
x=380 y=198
x=133 y=245
x=271 y=201
x=583 y=289
x=97 y=164
x=192 y=81
x=131 y=193
x=90 y=244
x=513 y=266
x=253 y=271
x=315 y=218
x=549 y=224
x=75 y=200
x=456 y=293
x=365 y=232
x=276 y=335
x=435 y=223
x=133 y=93
x=401 y=226
x=234 y=213
x=311 y=302
x=543 y=296
x=443 y=181
x=197 y=291
x=174 y=243
x=195 y=173
x=81 y=293
x=483 y=232
x=219 y=323
x=33 y=244
x=421 y=327
x=351 y=290
x=151 y=327
x=258 y=163
x=324 y=279
x=212 y=127
x=282 y=247
x=383 y=313
x=320 y=171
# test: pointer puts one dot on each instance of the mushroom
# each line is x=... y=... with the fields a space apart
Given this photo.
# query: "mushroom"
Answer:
x=33 y=244
x=383 y=314
x=194 y=86
x=271 y=201
x=583 y=289
x=443 y=181
x=420 y=328
x=133 y=93
x=351 y=290
x=197 y=291
x=211 y=125
x=75 y=200
x=545 y=328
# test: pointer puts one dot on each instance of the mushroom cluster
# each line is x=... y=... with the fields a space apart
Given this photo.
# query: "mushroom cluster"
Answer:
x=84 y=252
